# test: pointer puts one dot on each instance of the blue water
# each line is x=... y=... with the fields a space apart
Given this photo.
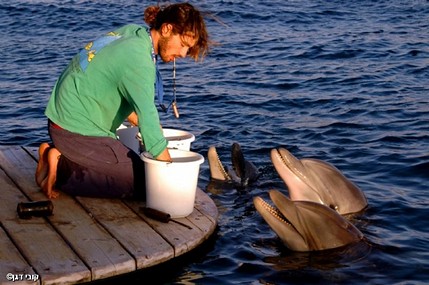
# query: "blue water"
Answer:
x=342 y=81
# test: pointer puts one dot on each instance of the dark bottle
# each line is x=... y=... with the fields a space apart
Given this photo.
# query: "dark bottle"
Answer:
x=27 y=210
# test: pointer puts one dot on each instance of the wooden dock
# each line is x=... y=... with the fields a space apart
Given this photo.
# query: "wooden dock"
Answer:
x=87 y=238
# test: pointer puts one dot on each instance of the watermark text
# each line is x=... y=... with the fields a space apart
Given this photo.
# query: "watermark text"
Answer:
x=22 y=277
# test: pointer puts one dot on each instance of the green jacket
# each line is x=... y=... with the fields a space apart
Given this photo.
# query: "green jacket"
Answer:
x=111 y=77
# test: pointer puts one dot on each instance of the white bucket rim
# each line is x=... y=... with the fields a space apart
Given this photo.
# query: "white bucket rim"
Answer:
x=177 y=155
x=173 y=135
x=178 y=135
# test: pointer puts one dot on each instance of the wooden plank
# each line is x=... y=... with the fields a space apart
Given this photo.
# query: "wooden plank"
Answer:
x=10 y=197
x=13 y=267
x=19 y=166
x=11 y=260
x=40 y=244
x=206 y=206
x=106 y=231
x=181 y=238
x=96 y=247
x=47 y=252
x=205 y=214
x=141 y=241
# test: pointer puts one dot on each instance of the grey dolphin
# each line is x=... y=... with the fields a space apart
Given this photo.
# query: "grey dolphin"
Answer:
x=244 y=172
x=315 y=180
x=305 y=225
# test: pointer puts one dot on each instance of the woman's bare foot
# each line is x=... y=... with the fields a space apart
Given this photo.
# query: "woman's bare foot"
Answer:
x=42 y=165
x=48 y=184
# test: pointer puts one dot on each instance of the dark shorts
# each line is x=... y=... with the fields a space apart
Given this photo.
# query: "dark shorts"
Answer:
x=97 y=166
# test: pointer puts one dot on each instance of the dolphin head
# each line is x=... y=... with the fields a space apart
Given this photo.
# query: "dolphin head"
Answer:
x=244 y=172
x=243 y=168
x=317 y=181
x=217 y=170
x=305 y=225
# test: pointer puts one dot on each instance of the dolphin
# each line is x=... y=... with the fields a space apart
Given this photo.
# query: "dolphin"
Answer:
x=318 y=181
x=306 y=225
x=245 y=172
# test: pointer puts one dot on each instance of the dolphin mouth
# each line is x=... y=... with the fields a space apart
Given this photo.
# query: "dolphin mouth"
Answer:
x=243 y=172
x=263 y=205
x=280 y=224
x=217 y=170
x=306 y=225
x=310 y=179
x=295 y=175
x=289 y=161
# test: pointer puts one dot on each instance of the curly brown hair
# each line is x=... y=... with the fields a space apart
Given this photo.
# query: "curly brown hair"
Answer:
x=186 y=20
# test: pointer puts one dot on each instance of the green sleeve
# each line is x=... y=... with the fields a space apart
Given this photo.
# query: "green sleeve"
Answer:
x=138 y=89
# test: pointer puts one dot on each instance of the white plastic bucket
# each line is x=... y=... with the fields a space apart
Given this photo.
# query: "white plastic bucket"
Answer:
x=178 y=139
x=171 y=186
